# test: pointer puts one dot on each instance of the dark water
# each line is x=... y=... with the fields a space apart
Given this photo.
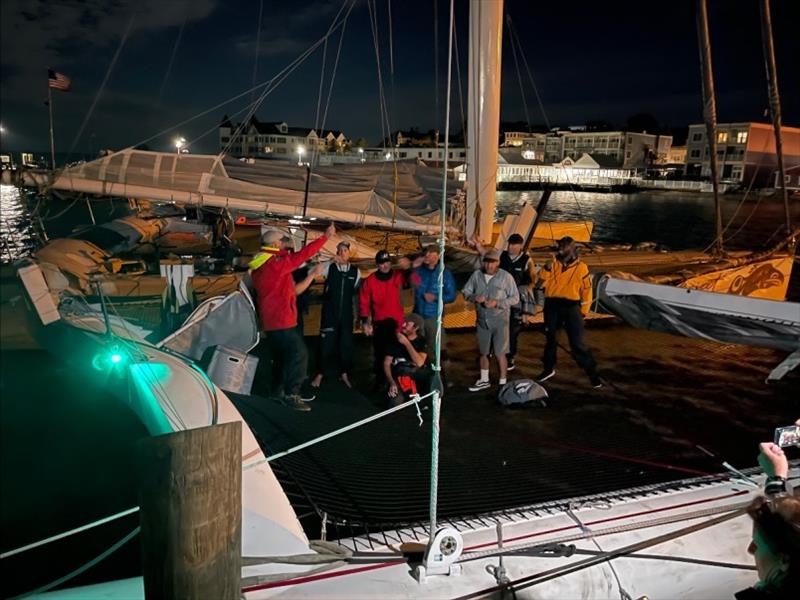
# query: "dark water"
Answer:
x=675 y=220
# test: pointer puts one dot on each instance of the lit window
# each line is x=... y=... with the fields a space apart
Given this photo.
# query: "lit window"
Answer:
x=722 y=137
x=741 y=137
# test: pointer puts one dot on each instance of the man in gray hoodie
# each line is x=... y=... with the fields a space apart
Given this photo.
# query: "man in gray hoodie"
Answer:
x=494 y=292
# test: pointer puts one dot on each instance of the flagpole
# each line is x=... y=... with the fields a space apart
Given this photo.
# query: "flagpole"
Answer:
x=50 y=110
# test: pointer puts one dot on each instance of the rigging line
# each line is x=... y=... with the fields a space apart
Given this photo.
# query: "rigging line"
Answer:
x=280 y=77
x=519 y=73
x=391 y=45
x=60 y=536
x=171 y=60
x=463 y=121
x=258 y=47
x=533 y=83
x=335 y=66
x=385 y=124
x=514 y=34
x=83 y=568
x=319 y=99
x=102 y=86
x=300 y=59
x=436 y=62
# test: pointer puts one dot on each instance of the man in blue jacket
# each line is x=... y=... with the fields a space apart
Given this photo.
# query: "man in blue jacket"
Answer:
x=425 y=280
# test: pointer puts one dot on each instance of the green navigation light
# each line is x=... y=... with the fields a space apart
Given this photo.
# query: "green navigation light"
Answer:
x=109 y=359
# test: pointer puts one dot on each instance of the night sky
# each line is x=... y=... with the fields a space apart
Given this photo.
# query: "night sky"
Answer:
x=590 y=60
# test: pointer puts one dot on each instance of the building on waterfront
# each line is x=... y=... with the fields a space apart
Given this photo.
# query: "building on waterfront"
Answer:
x=745 y=152
x=677 y=155
x=276 y=139
x=590 y=171
x=626 y=149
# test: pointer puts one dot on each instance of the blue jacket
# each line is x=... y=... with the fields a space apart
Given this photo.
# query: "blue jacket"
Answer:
x=426 y=281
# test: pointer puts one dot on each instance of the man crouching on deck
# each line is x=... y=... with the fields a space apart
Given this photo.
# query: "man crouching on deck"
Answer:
x=271 y=272
x=404 y=363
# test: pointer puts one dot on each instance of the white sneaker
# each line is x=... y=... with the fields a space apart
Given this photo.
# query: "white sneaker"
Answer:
x=480 y=385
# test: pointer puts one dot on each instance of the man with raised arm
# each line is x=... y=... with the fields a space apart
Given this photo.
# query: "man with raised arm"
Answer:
x=271 y=273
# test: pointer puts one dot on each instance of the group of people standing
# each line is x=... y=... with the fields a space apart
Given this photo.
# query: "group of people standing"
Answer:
x=504 y=290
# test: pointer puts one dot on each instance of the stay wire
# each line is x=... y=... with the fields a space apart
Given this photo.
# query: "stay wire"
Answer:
x=258 y=47
x=102 y=86
x=168 y=72
x=301 y=58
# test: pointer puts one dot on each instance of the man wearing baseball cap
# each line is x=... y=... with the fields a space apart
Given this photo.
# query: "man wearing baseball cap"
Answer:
x=382 y=307
x=517 y=263
x=271 y=273
x=494 y=292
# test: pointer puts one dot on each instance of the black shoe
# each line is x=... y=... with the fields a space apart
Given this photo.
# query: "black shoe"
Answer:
x=545 y=375
x=511 y=366
x=596 y=382
x=307 y=392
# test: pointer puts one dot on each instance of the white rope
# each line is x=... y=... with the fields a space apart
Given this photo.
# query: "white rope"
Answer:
x=415 y=400
x=437 y=401
x=60 y=536
x=82 y=568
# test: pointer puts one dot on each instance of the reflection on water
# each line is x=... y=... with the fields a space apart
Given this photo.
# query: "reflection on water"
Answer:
x=677 y=220
x=17 y=237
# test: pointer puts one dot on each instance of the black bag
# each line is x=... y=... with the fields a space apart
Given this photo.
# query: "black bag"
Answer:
x=522 y=392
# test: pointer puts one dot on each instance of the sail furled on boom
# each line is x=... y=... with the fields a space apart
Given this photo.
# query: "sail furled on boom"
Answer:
x=361 y=194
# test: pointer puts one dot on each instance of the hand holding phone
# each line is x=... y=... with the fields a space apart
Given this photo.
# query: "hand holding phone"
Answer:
x=787 y=436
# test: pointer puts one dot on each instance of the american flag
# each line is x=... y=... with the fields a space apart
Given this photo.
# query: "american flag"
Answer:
x=57 y=81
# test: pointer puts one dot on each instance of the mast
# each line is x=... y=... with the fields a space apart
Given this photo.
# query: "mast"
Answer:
x=709 y=113
x=774 y=101
x=50 y=112
x=483 y=114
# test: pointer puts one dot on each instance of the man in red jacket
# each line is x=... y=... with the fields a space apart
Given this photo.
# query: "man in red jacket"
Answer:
x=271 y=272
x=382 y=307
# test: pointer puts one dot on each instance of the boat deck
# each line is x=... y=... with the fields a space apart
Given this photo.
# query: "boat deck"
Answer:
x=669 y=403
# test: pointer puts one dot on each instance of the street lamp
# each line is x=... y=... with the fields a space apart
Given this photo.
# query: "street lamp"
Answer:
x=361 y=154
x=300 y=152
x=180 y=145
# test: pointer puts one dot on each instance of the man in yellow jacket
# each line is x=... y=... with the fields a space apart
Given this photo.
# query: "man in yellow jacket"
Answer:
x=568 y=296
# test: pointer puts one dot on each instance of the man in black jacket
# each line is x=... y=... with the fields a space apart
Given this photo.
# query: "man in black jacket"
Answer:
x=336 y=328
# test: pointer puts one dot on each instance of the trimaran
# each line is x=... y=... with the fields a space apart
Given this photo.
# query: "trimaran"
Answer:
x=695 y=530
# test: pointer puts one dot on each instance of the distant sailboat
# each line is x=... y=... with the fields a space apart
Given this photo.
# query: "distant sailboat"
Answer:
x=733 y=300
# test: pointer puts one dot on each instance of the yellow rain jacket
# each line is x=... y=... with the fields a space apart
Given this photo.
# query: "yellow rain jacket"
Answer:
x=571 y=282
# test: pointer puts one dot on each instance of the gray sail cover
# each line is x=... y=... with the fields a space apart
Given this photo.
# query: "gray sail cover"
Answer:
x=228 y=321
x=405 y=195
x=693 y=313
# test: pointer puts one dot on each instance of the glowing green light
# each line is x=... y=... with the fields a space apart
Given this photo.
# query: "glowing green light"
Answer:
x=110 y=359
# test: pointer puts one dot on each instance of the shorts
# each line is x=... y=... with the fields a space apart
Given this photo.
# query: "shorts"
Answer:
x=492 y=337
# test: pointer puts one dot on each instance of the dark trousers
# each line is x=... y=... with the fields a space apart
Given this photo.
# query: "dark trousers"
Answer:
x=560 y=313
x=288 y=347
x=384 y=335
x=514 y=329
x=336 y=349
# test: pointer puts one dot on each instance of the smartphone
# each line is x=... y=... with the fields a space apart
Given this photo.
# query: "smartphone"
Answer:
x=787 y=436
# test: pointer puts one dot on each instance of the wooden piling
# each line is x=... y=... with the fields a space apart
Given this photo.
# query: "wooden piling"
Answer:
x=190 y=490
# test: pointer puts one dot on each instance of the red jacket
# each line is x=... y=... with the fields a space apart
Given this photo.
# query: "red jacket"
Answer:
x=381 y=299
x=275 y=297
